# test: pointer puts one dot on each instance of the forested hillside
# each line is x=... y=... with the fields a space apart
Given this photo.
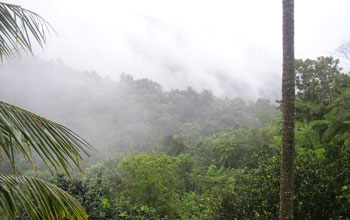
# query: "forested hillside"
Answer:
x=185 y=154
x=131 y=115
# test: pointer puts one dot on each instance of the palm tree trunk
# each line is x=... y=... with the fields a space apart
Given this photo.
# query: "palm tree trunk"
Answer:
x=288 y=114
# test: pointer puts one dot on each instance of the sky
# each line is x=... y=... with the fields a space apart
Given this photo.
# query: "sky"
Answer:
x=198 y=43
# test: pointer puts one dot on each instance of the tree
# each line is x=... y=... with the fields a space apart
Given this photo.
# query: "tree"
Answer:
x=344 y=50
x=288 y=113
x=23 y=132
x=318 y=82
x=150 y=180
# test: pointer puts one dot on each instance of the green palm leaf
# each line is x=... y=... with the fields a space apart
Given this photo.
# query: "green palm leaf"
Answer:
x=25 y=132
x=37 y=199
x=18 y=27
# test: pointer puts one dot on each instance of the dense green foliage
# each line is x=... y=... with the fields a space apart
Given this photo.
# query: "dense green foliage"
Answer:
x=318 y=82
x=196 y=156
x=131 y=115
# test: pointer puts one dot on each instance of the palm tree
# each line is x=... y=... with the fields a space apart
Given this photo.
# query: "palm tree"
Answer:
x=288 y=114
x=23 y=132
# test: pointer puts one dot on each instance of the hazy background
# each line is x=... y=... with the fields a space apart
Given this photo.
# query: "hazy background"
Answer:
x=219 y=45
x=228 y=52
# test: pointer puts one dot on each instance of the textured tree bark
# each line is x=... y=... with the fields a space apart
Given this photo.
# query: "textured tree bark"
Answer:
x=288 y=114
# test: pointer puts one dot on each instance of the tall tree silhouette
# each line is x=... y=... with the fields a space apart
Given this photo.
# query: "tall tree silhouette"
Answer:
x=288 y=113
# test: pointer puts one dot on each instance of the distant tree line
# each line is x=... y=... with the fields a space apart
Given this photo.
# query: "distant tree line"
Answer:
x=234 y=173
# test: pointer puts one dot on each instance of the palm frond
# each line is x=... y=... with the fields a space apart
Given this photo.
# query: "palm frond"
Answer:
x=18 y=27
x=37 y=199
x=24 y=132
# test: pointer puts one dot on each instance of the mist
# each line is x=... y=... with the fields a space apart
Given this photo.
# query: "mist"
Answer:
x=99 y=61
x=91 y=74
x=128 y=115
x=230 y=48
x=174 y=108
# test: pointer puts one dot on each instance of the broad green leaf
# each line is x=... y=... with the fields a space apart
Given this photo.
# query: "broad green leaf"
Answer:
x=25 y=132
x=37 y=199
x=18 y=28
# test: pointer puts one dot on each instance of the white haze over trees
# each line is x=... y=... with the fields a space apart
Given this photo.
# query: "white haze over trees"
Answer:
x=230 y=47
x=129 y=115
